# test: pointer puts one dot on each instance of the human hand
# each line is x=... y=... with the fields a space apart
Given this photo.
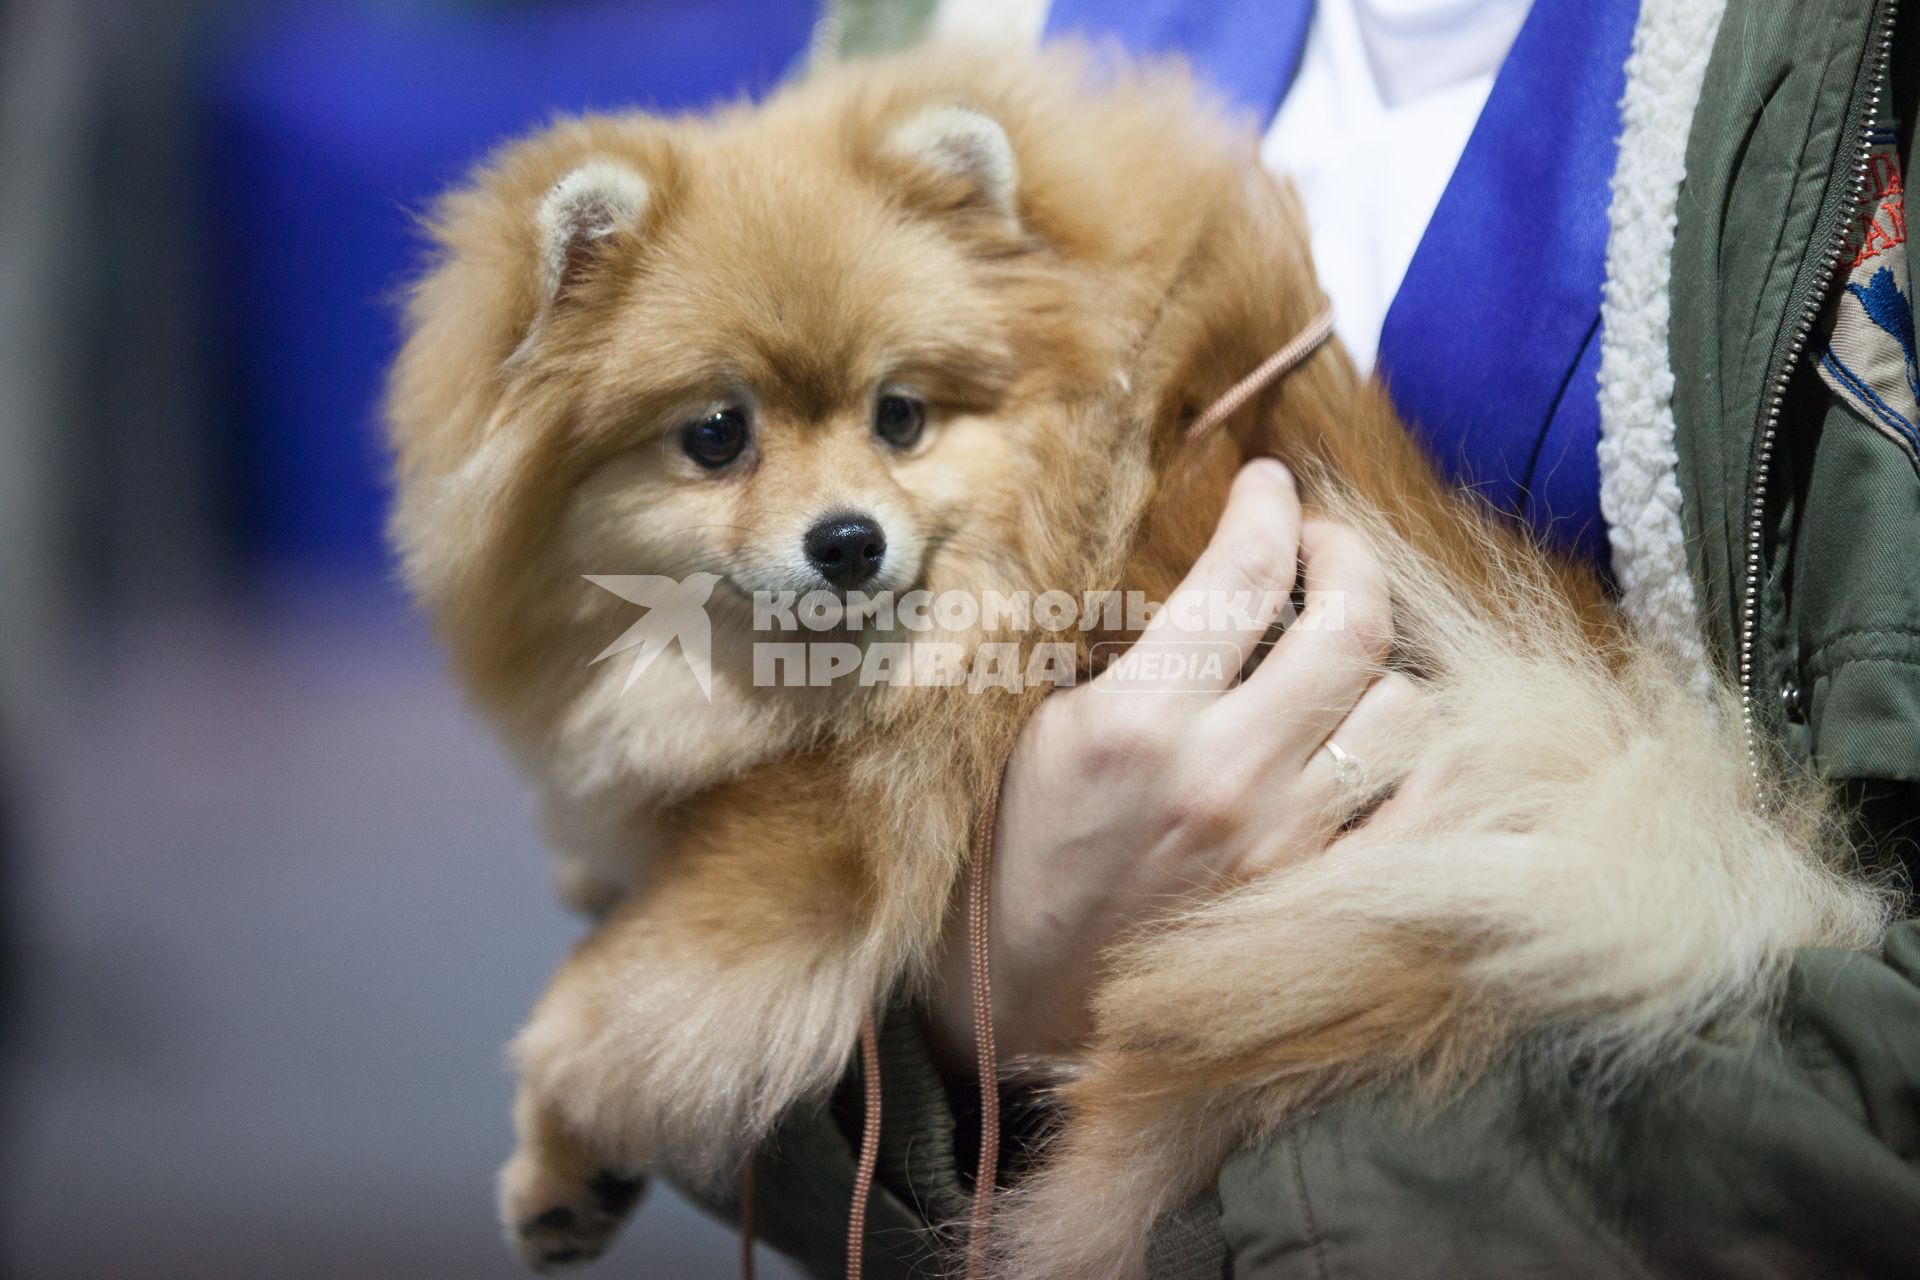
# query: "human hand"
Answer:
x=1122 y=796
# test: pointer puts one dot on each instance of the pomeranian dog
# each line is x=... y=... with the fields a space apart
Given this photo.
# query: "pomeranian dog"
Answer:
x=940 y=322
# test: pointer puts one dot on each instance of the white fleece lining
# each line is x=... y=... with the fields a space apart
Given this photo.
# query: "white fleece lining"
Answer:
x=1639 y=483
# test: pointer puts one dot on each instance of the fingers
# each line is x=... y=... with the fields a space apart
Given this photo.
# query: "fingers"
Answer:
x=1332 y=652
x=1210 y=626
x=1374 y=736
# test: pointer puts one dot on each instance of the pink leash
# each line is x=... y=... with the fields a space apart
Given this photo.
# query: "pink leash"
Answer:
x=1281 y=362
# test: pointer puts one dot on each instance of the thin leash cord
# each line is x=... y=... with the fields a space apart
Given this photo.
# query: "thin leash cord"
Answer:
x=1304 y=344
x=979 y=895
x=862 y=1174
x=869 y=1146
x=863 y=1177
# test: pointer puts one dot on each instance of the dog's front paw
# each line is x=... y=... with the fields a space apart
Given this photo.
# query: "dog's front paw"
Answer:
x=557 y=1216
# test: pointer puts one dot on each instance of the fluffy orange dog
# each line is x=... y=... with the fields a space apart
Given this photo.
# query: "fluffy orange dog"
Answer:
x=940 y=322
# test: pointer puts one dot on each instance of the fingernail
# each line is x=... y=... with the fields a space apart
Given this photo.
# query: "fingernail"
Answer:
x=1272 y=469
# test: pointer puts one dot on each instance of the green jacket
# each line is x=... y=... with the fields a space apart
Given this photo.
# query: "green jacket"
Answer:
x=1799 y=1158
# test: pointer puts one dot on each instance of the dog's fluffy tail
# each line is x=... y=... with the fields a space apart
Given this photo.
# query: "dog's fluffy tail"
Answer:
x=1581 y=863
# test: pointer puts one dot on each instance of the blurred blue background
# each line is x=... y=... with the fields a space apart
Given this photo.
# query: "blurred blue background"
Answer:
x=272 y=903
x=323 y=126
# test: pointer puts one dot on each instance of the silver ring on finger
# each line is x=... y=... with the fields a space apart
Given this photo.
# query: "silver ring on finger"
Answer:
x=1349 y=770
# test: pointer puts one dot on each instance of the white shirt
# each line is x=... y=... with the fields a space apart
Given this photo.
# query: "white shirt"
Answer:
x=1370 y=131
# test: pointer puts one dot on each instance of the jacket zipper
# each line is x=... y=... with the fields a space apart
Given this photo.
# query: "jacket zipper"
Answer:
x=1810 y=312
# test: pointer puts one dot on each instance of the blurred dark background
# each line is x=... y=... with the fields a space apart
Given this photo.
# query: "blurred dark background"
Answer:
x=272 y=903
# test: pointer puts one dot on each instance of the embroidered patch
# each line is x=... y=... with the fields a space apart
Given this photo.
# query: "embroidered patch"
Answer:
x=1870 y=361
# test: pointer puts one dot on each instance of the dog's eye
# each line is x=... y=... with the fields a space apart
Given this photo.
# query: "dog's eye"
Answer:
x=898 y=419
x=717 y=439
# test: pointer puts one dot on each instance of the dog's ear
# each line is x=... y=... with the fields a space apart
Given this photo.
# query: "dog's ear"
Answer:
x=580 y=215
x=961 y=158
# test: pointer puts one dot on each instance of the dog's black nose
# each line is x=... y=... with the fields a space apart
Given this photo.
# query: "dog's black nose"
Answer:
x=846 y=549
